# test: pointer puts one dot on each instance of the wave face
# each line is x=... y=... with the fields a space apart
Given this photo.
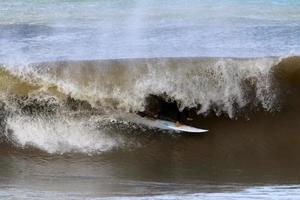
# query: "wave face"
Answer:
x=67 y=106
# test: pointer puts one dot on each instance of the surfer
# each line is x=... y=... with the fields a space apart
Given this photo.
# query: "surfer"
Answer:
x=166 y=115
x=157 y=108
x=178 y=118
x=153 y=107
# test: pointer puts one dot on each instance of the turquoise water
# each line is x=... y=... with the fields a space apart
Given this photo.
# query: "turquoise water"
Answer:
x=53 y=30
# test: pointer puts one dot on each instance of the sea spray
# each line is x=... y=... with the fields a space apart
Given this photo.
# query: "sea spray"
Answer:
x=221 y=85
x=61 y=134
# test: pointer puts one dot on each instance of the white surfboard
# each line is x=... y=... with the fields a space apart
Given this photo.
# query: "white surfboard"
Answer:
x=163 y=124
x=158 y=123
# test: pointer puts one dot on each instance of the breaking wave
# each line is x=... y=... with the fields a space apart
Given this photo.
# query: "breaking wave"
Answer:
x=206 y=83
x=58 y=106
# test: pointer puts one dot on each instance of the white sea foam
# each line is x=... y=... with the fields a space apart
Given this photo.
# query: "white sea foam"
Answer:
x=60 y=134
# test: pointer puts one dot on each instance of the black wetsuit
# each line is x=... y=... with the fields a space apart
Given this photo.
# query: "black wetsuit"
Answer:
x=157 y=107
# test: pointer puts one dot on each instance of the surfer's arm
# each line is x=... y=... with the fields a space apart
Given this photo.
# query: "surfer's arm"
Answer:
x=178 y=118
x=148 y=114
x=177 y=124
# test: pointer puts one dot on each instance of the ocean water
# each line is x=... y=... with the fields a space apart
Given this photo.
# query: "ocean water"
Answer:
x=75 y=73
x=49 y=30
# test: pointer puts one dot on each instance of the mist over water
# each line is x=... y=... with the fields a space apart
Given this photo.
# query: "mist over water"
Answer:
x=73 y=75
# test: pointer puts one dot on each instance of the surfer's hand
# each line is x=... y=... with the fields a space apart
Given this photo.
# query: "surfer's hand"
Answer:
x=177 y=124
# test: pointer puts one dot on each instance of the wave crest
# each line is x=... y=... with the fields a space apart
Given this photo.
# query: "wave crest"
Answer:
x=208 y=84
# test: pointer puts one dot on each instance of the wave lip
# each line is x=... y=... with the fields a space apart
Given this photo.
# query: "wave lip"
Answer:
x=221 y=85
x=289 y=70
